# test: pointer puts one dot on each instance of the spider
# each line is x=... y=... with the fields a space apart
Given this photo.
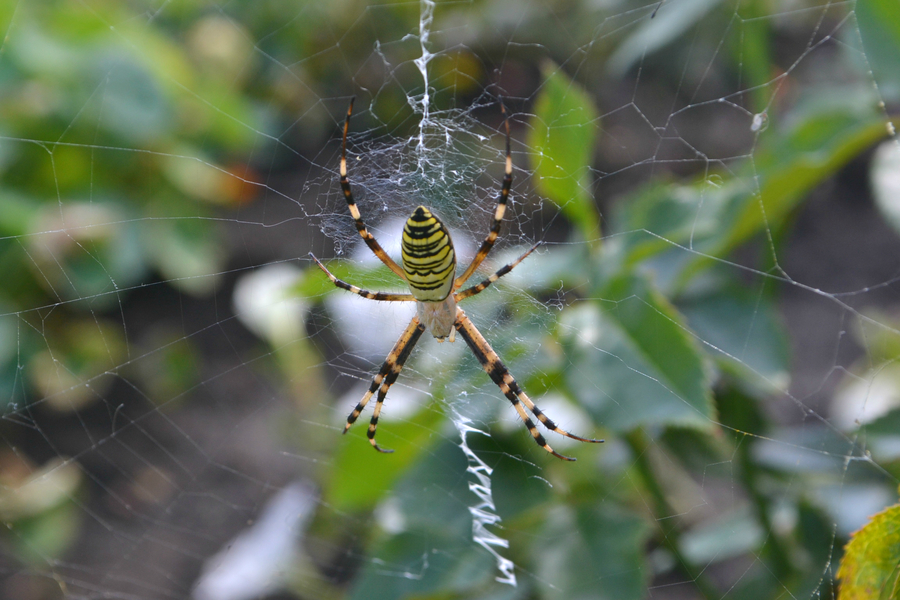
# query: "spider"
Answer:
x=429 y=269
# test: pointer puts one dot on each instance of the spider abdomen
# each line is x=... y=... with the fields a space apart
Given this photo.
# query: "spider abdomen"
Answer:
x=429 y=261
x=438 y=317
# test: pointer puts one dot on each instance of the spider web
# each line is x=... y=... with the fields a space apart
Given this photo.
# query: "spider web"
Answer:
x=175 y=372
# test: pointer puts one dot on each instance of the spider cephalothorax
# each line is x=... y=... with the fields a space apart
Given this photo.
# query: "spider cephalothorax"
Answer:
x=429 y=269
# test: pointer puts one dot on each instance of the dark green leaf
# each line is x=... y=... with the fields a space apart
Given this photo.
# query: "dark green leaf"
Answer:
x=882 y=436
x=594 y=553
x=671 y=21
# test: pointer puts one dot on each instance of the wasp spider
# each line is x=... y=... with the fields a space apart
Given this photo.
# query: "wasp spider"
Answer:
x=429 y=269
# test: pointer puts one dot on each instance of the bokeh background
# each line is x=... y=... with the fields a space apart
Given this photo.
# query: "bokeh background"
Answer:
x=716 y=185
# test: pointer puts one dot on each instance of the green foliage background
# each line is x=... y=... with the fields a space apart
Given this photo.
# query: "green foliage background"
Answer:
x=133 y=134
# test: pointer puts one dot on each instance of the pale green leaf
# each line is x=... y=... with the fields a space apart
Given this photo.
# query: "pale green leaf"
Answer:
x=562 y=138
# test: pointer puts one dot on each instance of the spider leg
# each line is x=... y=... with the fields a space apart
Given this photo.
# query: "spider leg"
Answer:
x=386 y=378
x=361 y=292
x=477 y=289
x=498 y=372
x=488 y=242
x=367 y=237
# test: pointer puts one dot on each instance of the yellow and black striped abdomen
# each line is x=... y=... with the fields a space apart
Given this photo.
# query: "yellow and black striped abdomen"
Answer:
x=428 y=257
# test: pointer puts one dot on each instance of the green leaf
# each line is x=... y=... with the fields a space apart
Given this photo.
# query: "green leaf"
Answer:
x=724 y=537
x=879 y=29
x=562 y=137
x=40 y=512
x=743 y=332
x=672 y=20
x=76 y=366
x=424 y=565
x=712 y=217
x=16 y=213
x=85 y=250
x=829 y=130
x=882 y=436
x=870 y=569
x=133 y=104
x=430 y=552
x=593 y=552
x=361 y=476
x=633 y=361
x=48 y=535
x=187 y=253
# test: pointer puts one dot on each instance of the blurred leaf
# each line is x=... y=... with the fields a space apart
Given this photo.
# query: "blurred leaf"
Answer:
x=727 y=536
x=742 y=331
x=826 y=131
x=187 y=253
x=315 y=283
x=47 y=536
x=169 y=367
x=869 y=393
x=76 y=368
x=197 y=176
x=877 y=331
x=816 y=537
x=427 y=510
x=223 y=47
x=752 y=50
x=870 y=569
x=879 y=28
x=133 y=105
x=670 y=214
x=360 y=476
x=633 y=361
x=85 y=250
x=885 y=178
x=16 y=213
x=548 y=270
x=592 y=552
x=36 y=506
x=882 y=436
x=697 y=450
x=673 y=18
x=519 y=487
x=757 y=582
x=889 y=424
x=9 y=323
x=801 y=450
x=562 y=138
x=740 y=413
x=712 y=218
x=42 y=490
